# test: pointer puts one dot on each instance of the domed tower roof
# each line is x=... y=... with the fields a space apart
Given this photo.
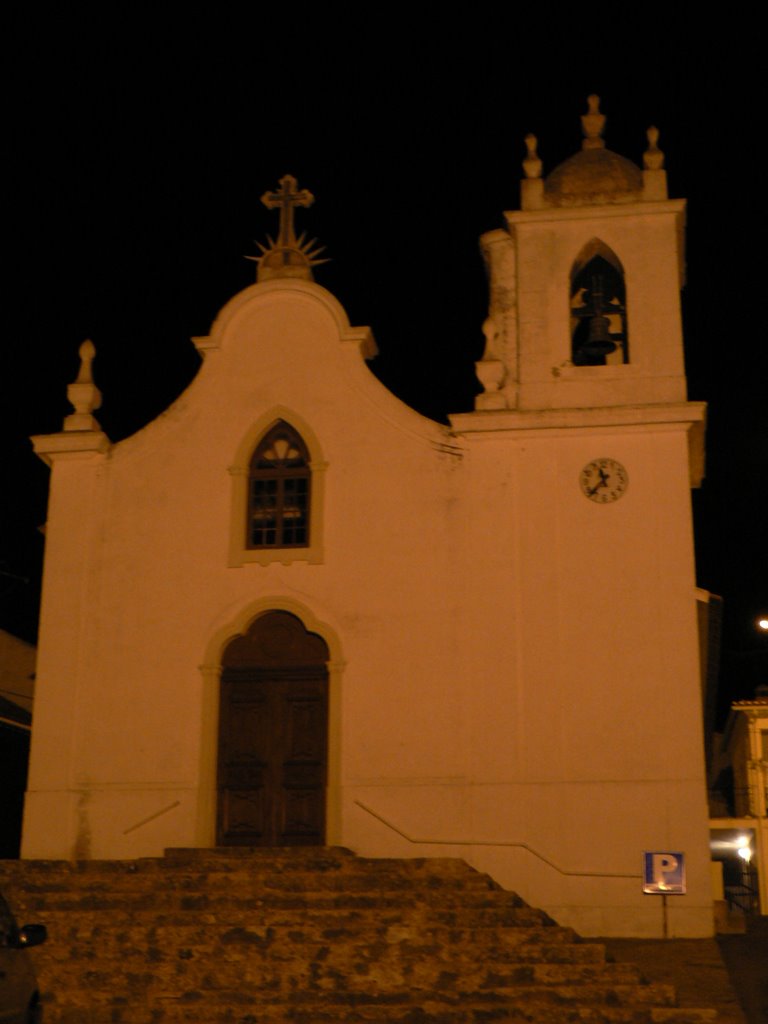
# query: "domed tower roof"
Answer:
x=596 y=175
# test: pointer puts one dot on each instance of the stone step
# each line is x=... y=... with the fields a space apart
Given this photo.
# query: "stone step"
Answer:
x=62 y=878
x=311 y=936
x=320 y=861
x=491 y=939
x=418 y=971
x=272 y=863
x=241 y=932
x=190 y=954
x=284 y=976
x=297 y=881
x=300 y=960
x=239 y=1010
x=268 y=866
x=324 y=921
x=202 y=893
x=285 y=856
x=371 y=979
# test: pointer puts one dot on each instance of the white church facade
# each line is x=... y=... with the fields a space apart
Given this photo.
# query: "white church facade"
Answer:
x=291 y=610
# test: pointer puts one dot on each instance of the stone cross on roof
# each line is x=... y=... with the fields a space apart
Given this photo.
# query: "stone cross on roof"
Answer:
x=289 y=256
x=286 y=199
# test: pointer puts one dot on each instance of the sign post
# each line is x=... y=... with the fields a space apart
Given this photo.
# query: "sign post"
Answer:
x=664 y=875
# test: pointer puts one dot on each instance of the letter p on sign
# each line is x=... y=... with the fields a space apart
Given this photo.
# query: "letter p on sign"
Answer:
x=663 y=865
x=664 y=872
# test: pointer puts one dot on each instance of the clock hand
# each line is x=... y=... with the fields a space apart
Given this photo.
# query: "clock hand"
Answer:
x=602 y=483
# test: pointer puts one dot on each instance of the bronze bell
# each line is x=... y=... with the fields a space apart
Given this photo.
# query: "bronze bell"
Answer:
x=599 y=341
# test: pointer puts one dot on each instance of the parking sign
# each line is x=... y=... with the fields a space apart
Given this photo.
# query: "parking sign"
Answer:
x=664 y=873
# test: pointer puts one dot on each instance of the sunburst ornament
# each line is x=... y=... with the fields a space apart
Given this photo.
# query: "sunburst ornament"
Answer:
x=289 y=256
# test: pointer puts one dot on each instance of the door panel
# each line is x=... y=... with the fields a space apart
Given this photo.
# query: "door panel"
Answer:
x=245 y=765
x=303 y=758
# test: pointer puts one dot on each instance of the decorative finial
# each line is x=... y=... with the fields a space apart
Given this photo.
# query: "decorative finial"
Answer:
x=87 y=353
x=83 y=394
x=532 y=163
x=592 y=124
x=289 y=256
x=653 y=158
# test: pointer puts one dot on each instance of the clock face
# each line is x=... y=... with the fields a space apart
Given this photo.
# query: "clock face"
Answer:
x=604 y=480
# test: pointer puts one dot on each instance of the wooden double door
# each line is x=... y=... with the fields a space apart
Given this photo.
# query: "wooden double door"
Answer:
x=273 y=736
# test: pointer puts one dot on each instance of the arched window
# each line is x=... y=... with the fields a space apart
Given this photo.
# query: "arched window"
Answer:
x=279 y=491
x=598 y=308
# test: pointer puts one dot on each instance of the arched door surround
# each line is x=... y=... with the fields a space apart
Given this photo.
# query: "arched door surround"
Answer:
x=273 y=735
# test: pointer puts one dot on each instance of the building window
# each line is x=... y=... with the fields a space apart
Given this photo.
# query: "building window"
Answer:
x=598 y=308
x=279 y=491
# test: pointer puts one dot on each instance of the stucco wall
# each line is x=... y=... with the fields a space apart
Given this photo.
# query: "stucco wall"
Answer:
x=510 y=663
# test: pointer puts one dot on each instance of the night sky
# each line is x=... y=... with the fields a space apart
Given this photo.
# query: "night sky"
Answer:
x=139 y=152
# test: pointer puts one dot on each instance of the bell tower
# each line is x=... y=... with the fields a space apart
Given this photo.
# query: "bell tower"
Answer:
x=585 y=285
x=583 y=448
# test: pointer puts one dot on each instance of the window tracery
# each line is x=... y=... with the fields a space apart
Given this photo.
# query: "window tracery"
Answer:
x=279 y=490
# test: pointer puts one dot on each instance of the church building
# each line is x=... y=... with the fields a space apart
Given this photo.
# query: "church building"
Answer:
x=291 y=610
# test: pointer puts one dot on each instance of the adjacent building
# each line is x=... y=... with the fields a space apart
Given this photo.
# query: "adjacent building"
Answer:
x=739 y=806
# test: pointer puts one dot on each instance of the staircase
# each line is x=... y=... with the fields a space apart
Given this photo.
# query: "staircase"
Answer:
x=311 y=936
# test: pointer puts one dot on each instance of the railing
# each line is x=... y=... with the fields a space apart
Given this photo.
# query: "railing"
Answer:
x=151 y=817
x=742 y=897
x=475 y=842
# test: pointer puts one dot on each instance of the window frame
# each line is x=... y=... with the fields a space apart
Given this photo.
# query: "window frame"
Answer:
x=272 y=474
x=241 y=551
